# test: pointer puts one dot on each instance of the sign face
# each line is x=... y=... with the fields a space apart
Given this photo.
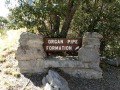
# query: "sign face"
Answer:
x=62 y=44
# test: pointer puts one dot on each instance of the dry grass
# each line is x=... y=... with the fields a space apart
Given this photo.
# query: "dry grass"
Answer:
x=7 y=71
x=11 y=71
x=4 y=82
x=7 y=84
x=11 y=39
x=41 y=88
x=27 y=88
x=8 y=46
x=16 y=74
x=7 y=64
x=2 y=59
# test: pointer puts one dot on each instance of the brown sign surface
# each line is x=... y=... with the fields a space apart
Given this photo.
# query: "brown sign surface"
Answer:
x=62 y=44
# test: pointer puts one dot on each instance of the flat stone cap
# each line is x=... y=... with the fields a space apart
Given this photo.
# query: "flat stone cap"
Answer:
x=93 y=35
x=28 y=35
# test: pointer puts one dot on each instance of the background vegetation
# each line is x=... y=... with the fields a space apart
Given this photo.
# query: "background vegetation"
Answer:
x=3 y=25
x=71 y=18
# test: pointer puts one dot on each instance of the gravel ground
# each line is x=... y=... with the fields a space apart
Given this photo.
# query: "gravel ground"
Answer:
x=110 y=80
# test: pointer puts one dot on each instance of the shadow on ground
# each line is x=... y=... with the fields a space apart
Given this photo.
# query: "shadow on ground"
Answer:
x=110 y=80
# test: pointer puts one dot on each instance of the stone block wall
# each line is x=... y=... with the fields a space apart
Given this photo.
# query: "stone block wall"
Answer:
x=30 y=53
x=89 y=52
x=31 y=57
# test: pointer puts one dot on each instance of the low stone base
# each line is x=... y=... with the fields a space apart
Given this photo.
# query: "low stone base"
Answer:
x=83 y=73
x=32 y=57
x=72 y=67
x=31 y=66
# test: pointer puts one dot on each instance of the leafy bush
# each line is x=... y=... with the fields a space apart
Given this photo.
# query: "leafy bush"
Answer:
x=102 y=17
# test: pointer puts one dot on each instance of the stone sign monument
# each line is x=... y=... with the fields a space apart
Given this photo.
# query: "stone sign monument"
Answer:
x=32 y=57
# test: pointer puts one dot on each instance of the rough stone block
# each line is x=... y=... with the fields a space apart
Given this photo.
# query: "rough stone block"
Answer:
x=31 y=66
x=30 y=47
x=90 y=74
x=83 y=73
x=65 y=64
x=55 y=81
x=88 y=55
x=92 y=34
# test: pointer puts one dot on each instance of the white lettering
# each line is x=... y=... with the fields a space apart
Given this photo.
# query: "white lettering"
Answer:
x=72 y=41
x=68 y=41
x=58 y=47
x=47 y=47
x=55 y=41
x=49 y=41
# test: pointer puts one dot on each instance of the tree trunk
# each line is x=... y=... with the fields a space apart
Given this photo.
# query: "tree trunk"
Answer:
x=72 y=7
x=56 y=26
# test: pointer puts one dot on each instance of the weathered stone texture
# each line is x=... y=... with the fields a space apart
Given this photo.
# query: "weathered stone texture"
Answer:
x=30 y=53
x=53 y=81
x=89 y=52
x=65 y=64
x=31 y=57
x=91 y=40
x=83 y=73
x=31 y=66
x=30 y=47
x=88 y=55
